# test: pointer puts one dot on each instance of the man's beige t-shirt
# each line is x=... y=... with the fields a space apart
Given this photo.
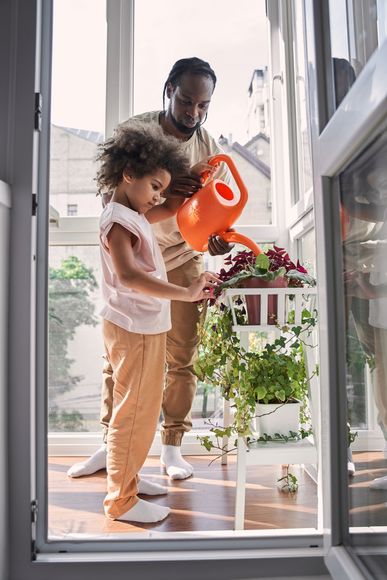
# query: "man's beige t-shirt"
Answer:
x=174 y=249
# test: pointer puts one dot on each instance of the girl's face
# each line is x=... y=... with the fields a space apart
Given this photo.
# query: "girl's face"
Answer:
x=142 y=193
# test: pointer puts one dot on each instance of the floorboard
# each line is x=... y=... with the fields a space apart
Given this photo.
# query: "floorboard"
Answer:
x=203 y=503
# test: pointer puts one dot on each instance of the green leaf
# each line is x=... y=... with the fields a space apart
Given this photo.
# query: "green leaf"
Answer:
x=261 y=393
x=281 y=395
x=262 y=262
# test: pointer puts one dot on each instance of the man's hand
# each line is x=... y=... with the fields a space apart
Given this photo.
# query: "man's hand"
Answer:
x=217 y=246
x=183 y=186
x=187 y=185
x=204 y=170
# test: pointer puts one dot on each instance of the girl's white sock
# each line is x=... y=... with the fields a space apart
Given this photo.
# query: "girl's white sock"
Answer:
x=145 y=513
x=149 y=488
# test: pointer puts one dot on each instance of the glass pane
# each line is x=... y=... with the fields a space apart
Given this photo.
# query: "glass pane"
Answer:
x=364 y=232
x=357 y=29
x=78 y=121
x=240 y=124
x=302 y=124
x=75 y=344
x=307 y=251
x=75 y=339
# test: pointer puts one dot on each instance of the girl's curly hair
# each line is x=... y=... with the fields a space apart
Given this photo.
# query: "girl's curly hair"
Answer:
x=139 y=149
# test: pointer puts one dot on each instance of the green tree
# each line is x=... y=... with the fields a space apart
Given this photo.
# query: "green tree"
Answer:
x=70 y=291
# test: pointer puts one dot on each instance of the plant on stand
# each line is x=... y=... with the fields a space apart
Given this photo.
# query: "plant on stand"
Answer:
x=273 y=372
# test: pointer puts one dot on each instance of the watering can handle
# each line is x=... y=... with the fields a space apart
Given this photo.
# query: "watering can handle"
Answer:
x=215 y=160
x=234 y=237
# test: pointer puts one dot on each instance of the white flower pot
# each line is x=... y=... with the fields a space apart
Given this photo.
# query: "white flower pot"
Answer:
x=275 y=418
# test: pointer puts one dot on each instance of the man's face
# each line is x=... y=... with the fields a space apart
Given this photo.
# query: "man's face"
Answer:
x=189 y=102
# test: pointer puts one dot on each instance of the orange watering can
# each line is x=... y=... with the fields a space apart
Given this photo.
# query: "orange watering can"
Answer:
x=213 y=210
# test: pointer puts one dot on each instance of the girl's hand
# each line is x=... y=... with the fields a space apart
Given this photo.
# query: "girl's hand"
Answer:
x=203 y=287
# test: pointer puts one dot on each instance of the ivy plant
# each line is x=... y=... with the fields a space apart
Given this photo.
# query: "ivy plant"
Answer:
x=272 y=373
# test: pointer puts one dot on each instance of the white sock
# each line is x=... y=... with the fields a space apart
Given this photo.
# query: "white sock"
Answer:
x=175 y=465
x=379 y=483
x=145 y=512
x=94 y=463
x=149 y=488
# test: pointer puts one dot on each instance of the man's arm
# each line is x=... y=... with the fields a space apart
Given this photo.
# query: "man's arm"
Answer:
x=165 y=210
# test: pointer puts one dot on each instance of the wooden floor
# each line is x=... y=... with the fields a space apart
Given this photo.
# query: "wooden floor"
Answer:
x=203 y=503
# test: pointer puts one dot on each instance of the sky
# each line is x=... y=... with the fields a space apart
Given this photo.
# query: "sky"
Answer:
x=231 y=36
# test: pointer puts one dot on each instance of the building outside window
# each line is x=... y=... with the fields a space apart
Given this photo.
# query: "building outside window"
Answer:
x=72 y=209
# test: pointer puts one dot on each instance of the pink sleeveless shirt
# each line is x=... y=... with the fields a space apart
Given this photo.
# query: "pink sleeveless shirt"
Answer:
x=125 y=307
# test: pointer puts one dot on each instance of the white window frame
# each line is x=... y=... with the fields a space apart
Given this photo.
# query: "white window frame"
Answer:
x=296 y=209
x=223 y=557
x=336 y=140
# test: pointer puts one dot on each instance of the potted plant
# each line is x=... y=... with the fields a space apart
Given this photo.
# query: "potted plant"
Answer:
x=269 y=373
x=271 y=269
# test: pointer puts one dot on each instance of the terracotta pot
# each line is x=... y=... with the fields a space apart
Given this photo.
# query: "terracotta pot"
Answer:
x=253 y=303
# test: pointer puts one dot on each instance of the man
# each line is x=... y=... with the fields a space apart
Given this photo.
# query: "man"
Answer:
x=189 y=88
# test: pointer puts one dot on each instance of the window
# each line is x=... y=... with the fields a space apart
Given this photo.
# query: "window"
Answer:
x=357 y=29
x=74 y=145
x=234 y=63
x=22 y=490
x=364 y=238
x=72 y=209
x=78 y=124
x=304 y=165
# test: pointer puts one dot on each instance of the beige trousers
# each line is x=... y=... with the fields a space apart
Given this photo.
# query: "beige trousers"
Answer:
x=182 y=343
x=138 y=365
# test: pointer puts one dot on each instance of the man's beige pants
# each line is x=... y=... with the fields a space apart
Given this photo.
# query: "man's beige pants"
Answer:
x=138 y=368
x=182 y=343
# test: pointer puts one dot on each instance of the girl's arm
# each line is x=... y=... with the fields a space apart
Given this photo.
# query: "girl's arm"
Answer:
x=121 y=250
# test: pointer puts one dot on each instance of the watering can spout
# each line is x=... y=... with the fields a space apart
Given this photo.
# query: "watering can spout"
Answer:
x=213 y=210
x=235 y=238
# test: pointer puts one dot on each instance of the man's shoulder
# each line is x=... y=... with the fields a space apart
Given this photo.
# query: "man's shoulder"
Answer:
x=206 y=137
x=147 y=117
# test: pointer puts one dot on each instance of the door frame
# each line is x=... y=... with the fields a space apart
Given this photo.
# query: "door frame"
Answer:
x=337 y=138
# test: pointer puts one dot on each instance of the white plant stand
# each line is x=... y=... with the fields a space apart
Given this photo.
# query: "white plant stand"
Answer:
x=271 y=453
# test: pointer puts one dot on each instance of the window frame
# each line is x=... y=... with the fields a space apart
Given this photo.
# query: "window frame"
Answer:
x=337 y=139
x=31 y=555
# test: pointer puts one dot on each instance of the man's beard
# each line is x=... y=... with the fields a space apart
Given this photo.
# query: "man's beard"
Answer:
x=183 y=128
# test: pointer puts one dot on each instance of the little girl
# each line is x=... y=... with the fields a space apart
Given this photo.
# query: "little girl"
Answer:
x=137 y=165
